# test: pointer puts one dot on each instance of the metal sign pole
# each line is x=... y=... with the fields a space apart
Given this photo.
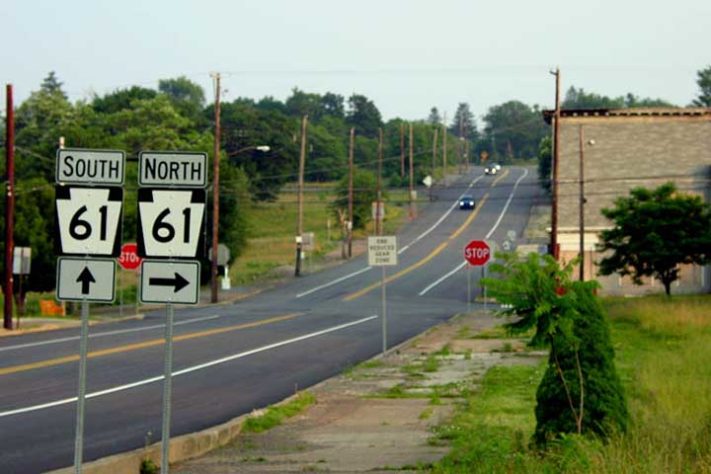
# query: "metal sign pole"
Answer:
x=167 y=389
x=469 y=288
x=83 y=343
x=483 y=275
x=385 y=317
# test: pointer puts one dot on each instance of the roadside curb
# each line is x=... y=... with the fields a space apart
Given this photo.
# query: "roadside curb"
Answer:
x=182 y=448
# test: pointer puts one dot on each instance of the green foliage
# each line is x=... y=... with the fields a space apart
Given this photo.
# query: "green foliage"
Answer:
x=704 y=82
x=654 y=232
x=363 y=196
x=363 y=115
x=580 y=99
x=545 y=160
x=515 y=130
x=580 y=391
x=275 y=415
x=149 y=467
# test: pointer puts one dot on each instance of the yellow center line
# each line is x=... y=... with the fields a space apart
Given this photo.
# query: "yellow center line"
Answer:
x=429 y=257
x=144 y=344
x=500 y=177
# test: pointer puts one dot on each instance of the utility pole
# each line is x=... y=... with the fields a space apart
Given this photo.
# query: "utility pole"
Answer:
x=350 y=193
x=434 y=157
x=412 y=178
x=9 y=206
x=215 y=192
x=402 y=151
x=379 y=191
x=444 y=147
x=300 y=197
x=461 y=144
x=582 y=204
x=556 y=160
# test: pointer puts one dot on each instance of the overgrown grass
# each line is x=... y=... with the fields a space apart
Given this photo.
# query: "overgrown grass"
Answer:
x=275 y=415
x=273 y=227
x=663 y=354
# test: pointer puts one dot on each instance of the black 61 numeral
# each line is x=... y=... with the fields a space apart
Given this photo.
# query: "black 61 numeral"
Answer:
x=164 y=232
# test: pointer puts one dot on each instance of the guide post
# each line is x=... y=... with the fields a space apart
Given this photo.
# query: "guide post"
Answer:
x=171 y=210
x=382 y=252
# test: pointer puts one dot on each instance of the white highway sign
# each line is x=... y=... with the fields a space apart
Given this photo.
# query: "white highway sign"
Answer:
x=170 y=222
x=80 y=279
x=76 y=166
x=382 y=250
x=170 y=282
x=172 y=169
x=89 y=220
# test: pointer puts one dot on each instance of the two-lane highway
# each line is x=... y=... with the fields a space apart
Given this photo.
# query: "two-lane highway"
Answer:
x=230 y=359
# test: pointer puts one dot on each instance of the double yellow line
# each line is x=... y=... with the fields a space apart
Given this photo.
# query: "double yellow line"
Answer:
x=432 y=254
x=143 y=345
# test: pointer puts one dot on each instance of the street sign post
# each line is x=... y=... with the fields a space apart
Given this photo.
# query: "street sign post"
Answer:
x=476 y=253
x=171 y=210
x=88 y=211
x=382 y=252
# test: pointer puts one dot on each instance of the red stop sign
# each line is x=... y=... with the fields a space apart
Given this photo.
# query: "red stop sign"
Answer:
x=477 y=252
x=129 y=259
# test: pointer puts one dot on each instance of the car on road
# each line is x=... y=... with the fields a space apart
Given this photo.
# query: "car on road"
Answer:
x=466 y=202
x=491 y=169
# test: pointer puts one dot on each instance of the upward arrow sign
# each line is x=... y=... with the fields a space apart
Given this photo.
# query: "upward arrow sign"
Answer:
x=86 y=279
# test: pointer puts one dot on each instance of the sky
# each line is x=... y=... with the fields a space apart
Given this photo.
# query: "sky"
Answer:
x=407 y=56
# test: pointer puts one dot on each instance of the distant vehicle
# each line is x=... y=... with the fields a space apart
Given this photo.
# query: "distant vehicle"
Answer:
x=491 y=169
x=466 y=202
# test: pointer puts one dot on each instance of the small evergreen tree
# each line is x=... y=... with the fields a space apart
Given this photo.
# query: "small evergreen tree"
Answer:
x=580 y=391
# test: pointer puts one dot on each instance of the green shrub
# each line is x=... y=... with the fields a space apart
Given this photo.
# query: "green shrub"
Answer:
x=580 y=391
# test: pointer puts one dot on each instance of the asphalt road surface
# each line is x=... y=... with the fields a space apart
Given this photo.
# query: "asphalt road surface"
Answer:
x=230 y=359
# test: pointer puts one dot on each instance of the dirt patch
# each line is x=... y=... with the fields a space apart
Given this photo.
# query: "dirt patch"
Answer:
x=379 y=416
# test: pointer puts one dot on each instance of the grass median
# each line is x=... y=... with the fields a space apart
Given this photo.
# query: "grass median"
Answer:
x=663 y=354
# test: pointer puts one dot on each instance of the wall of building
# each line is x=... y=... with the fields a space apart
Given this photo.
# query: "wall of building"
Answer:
x=629 y=151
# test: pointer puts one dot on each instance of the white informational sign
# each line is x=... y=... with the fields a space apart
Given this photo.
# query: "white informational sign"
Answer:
x=174 y=169
x=21 y=260
x=427 y=181
x=382 y=250
x=170 y=282
x=90 y=279
x=88 y=220
x=170 y=222
x=76 y=166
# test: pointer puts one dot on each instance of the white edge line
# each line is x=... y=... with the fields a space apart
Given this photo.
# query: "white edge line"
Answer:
x=187 y=370
x=104 y=334
x=508 y=202
x=493 y=229
x=331 y=283
x=441 y=279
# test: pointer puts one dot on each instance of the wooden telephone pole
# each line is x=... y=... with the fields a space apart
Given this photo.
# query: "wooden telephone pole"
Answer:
x=556 y=159
x=9 y=207
x=350 y=193
x=215 y=193
x=300 y=197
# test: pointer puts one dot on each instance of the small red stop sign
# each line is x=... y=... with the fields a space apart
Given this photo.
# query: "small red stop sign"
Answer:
x=129 y=259
x=477 y=252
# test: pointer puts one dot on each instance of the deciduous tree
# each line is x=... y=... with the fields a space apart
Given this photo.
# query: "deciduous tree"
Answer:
x=654 y=232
